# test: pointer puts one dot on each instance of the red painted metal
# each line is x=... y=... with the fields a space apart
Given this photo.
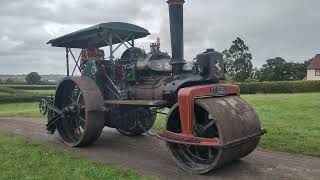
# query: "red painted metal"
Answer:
x=187 y=95
x=187 y=139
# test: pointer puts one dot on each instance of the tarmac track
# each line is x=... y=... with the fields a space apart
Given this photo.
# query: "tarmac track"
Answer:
x=148 y=156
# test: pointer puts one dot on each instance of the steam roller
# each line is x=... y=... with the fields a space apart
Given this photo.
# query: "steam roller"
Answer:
x=208 y=124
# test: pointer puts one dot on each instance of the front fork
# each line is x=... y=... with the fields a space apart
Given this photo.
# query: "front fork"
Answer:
x=46 y=107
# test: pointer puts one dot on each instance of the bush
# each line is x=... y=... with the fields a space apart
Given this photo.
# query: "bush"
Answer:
x=280 y=87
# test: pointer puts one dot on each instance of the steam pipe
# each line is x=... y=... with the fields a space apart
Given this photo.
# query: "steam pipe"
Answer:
x=176 y=31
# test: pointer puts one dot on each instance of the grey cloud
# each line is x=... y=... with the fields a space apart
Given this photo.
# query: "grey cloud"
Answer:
x=287 y=28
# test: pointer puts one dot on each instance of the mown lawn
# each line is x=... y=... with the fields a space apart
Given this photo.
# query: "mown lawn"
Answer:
x=292 y=121
x=41 y=92
x=21 y=159
x=20 y=110
x=26 y=109
x=9 y=95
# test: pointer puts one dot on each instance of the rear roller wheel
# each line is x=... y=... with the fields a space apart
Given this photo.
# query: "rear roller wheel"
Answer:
x=81 y=101
x=229 y=119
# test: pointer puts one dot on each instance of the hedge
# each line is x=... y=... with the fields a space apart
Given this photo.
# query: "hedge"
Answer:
x=280 y=87
x=31 y=87
x=9 y=95
x=20 y=98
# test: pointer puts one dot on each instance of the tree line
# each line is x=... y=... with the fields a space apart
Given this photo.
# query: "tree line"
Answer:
x=238 y=66
x=31 y=78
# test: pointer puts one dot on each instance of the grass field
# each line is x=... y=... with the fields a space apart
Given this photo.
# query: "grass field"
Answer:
x=8 y=95
x=22 y=159
x=292 y=120
x=41 y=92
x=20 y=110
x=25 y=109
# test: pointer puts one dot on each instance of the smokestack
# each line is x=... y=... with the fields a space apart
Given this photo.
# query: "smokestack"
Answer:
x=176 y=30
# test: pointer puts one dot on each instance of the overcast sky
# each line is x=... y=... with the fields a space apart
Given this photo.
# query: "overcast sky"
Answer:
x=285 y=28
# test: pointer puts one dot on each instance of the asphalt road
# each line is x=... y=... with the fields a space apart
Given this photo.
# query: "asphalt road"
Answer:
x=148 y=156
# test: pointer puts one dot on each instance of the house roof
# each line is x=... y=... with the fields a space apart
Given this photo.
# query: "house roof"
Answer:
x=315 y=63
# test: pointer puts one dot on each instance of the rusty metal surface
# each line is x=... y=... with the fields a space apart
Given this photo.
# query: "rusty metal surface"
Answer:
x=93 y=101
x=190 y=140
x=236 y=120
x=149 y=103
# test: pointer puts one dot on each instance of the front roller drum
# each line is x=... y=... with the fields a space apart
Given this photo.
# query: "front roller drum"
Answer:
x=229 y=119
x=81 y=101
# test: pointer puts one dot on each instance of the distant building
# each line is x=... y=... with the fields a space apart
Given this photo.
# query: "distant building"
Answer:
x=314 y=68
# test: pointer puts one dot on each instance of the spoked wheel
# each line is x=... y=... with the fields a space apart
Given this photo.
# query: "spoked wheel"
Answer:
x=230 y=119
x=194 y=159
x=43 y=107
x=138 y=121
x=82 y=120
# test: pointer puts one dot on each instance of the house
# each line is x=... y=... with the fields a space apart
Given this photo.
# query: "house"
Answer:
x=314 y=68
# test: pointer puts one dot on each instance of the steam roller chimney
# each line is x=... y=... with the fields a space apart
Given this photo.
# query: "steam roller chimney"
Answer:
x=176 y=31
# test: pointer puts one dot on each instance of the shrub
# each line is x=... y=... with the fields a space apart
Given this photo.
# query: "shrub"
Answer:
x=280 y=87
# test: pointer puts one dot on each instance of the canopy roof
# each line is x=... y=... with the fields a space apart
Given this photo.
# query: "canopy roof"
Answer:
x=100 y=35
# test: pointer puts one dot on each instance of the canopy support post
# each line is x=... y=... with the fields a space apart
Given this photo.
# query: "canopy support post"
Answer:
x=76 y=62
x=67 y=60
x=122 y=42
x=110 y=44
x=132 y=40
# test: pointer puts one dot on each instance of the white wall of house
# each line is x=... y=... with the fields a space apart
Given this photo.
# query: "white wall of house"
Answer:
x=311 y=75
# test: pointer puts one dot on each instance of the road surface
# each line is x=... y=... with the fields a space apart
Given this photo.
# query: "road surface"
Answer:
x=148 y=156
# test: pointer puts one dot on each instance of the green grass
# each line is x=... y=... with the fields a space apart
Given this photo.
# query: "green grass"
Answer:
x=9 y=95
x=41 y=92
x=292 y=121
x=20 y=110
x=29 y=107
x=21 y=159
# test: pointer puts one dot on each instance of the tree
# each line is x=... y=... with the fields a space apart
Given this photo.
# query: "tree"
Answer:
x=277 y=69
x=33 y=78
x=238 y=60
x=9 y=81
x=300 y=70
